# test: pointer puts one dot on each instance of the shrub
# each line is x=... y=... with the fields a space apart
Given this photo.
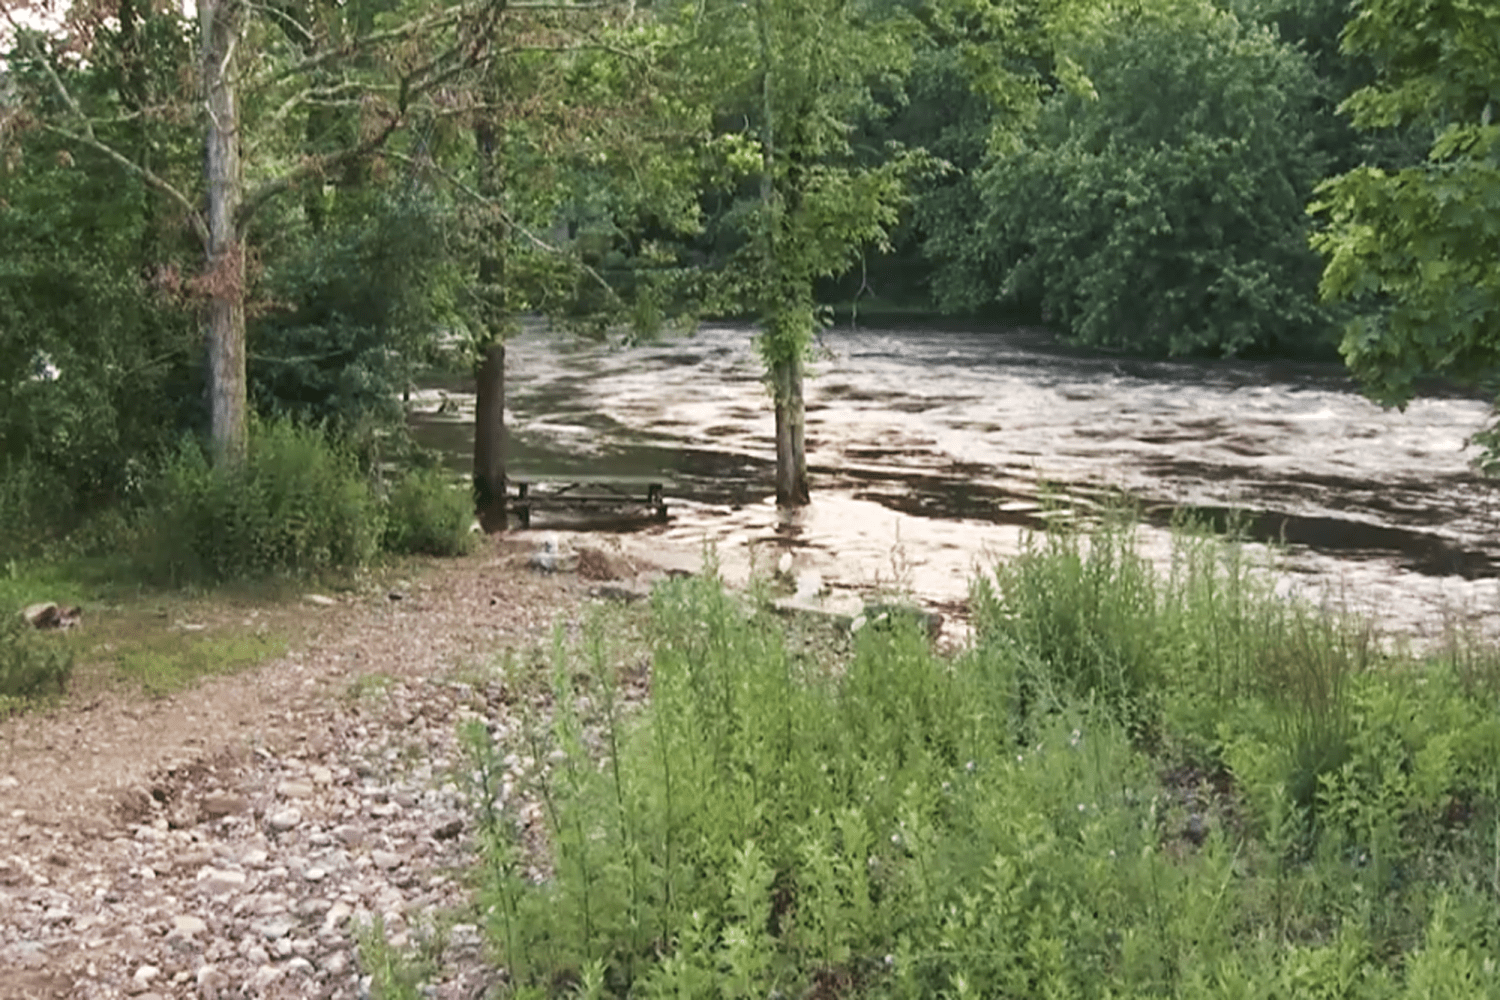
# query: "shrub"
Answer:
x=34 y=505
x=296 y=505
x=427 y=514
x=31 y=665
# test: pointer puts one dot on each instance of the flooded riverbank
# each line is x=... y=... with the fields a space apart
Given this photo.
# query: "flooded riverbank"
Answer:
x=932 y=451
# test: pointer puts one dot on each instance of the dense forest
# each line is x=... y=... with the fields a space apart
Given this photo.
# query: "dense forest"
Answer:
x=282 y=212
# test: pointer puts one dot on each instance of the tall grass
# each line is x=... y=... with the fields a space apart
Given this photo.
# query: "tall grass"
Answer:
x=1135 y=784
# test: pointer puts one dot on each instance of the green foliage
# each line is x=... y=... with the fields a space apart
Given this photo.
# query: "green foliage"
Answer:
x=898 y=825
x=32 y=666
x=296 y=505
x=170 y=666
x=427 y=513
x=1412 y=250
x=1158 y=208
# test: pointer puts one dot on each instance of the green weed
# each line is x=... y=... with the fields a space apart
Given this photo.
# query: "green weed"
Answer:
x=169 y=664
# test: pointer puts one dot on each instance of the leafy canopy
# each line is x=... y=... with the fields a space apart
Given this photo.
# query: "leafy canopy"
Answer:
x=1413 y=251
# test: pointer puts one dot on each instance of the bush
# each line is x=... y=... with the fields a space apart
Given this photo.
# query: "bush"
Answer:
x=427 y=514
x=296 y=505
x=899 y=825
x=32 y=498
x=31 y=666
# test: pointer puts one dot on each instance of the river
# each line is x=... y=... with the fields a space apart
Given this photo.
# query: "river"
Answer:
x=931 y=452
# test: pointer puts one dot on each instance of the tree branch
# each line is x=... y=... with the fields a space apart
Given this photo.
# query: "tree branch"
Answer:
x=510 y=220
x=312 y=167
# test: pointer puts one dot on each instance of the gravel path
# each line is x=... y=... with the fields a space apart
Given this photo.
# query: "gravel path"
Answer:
x=230 y=841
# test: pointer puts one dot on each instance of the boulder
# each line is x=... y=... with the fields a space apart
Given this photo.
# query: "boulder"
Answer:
x=49 y=615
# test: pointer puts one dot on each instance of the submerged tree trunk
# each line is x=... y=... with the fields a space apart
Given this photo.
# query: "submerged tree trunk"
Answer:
x=791 y=453
x=224 y=277
x=489 y=440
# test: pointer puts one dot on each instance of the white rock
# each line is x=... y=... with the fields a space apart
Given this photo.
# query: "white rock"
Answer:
x=320 y=775
x=809 y=584
x=295 y=790
x=321 y=600
x=217 y=881
x=300 y=966
x=385 y=860
x=263 y=977
x=211 y=982
x=314 y=874
x=187 y=926
x=337 y=914
x=9 y=781
x=335 y=964
x=284 y=820
x=146 y=973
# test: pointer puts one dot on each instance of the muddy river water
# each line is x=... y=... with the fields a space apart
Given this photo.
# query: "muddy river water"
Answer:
x=932 y=452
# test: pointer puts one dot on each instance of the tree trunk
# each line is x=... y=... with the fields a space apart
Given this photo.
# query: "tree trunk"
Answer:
x=791 y=453
x=489 y=440
x=219 y=21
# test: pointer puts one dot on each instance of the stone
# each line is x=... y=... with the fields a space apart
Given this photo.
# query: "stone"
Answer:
x=299 y=966
x=337 y=914
x=49 y=615
x=349 y=836
x=146 y=974
x=314 y=874
x=465 y=936
x=284 y=820
x=320 y=775
x=9 y=781
x=217 y=881
x=386 y=860
x=212 y=982
x=277 y=928
x=449 y=830
x=186 y=925
x=321 y=600
x=262 y=978
x=335 y=964
x=295 y=790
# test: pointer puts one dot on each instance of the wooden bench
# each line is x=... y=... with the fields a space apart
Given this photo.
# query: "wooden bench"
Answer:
x=568 y=490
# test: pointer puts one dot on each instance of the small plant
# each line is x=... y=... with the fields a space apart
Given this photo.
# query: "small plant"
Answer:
x=166 y=667
x=393 y=976
x=32 y=666
x=429 y=515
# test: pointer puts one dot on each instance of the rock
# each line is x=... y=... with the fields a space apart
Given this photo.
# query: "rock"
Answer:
x=314 y=874
x=299 y=966
x=335 y=964
x=625 y=593
x=929 y=621
x=57 y=915
x=145 y=974
x=277 y=928
x=349 y=836
x=295 y=790
x=337 y=914
x=839 y=608
x=263 y=977
x=9 y=781
x=784 y=566
x=217 y=882
x=464 y=936
x=449 y=830
x=51 y=616
x=809 y=585
x=320 y=775
x=220 y=804
x=212 y=982
x=284 y=820
x=385 y=860
x=320 y=600
x=187 y=926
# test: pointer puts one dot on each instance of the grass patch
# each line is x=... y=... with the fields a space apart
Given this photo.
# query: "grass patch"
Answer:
x=1135 y=784
x=167 y=663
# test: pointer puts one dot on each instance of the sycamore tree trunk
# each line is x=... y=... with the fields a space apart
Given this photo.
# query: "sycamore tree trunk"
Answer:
x=791 y=454
x=224 y=282
x=783 y=340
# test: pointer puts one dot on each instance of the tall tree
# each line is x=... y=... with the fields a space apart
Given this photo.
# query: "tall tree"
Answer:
x=382 y=60
x=797 y=77
x=1413 y=251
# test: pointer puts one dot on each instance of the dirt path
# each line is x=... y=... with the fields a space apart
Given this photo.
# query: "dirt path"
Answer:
x=227 y=841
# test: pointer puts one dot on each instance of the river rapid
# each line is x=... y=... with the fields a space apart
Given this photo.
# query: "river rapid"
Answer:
x=932 y=452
